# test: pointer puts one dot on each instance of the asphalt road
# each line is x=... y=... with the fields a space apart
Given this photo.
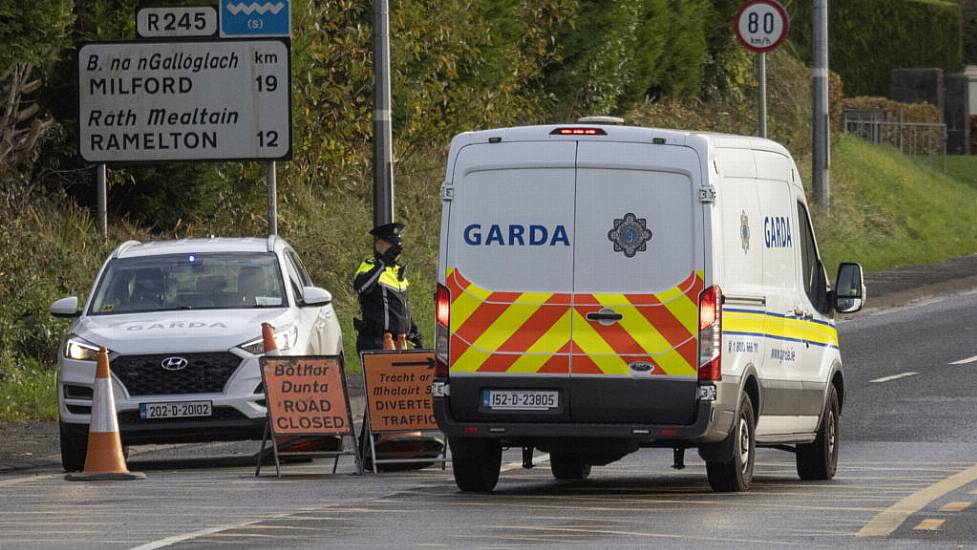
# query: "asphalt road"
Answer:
x=908 y=477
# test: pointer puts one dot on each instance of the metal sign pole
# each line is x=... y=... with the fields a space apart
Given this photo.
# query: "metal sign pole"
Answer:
x=383 y=181
x=272 y=178
x=821 y=139
x=762 y=77
x=102 y=199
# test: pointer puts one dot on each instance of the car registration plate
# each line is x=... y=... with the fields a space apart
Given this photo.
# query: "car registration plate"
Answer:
x=174 y=409
x=520 y=400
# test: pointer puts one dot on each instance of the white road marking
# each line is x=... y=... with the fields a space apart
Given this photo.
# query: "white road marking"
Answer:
x=965 y=361
x=893 y=377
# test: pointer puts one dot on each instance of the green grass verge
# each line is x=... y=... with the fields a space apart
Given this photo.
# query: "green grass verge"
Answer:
x=28 y=392
x=889 y=210
x=962 y=168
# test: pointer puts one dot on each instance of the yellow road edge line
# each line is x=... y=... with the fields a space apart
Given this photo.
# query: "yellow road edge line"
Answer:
x=929 y=525
x=957 y=506
x=19 y=480
x=894 y=516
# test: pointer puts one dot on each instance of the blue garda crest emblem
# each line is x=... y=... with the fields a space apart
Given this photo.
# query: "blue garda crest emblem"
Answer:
x=630 y=235
x=745 y=232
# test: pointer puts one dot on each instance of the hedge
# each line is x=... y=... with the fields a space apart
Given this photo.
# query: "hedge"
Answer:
x=870 y=38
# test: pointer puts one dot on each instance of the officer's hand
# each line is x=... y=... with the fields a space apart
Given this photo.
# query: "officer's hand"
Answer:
x=416 y=340
x=390 y=256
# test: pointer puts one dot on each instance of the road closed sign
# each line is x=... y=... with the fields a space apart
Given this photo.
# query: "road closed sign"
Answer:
x=761 y=25
x=306 y=395
x=184 y=101
x=398 y=391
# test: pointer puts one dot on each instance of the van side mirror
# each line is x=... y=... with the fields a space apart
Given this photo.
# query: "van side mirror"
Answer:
x=315 y=296
x=849 y=291
x=66 y=308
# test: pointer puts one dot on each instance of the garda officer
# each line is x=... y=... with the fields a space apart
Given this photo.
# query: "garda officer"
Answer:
x=381 y=284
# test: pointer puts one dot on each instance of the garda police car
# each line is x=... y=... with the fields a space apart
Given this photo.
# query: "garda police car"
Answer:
x=182 y=323
x=607 y=288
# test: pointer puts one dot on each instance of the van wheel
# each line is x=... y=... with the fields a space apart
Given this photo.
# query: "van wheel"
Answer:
x=736 y=474
x=568 y=466
x=819 y=460
x=74 y=446
x=476 y=463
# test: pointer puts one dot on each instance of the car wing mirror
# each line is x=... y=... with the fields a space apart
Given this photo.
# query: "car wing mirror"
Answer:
x=66 y=308
x=849 y=291
x=315 y=296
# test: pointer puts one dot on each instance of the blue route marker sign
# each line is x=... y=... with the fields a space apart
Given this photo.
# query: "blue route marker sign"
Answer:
x=255 y=18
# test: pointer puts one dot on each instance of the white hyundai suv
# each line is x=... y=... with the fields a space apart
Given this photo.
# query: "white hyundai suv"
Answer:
x=182 y=323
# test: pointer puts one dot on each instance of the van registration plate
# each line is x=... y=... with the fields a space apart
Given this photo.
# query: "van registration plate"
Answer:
x=175 y=409
x=520 y=400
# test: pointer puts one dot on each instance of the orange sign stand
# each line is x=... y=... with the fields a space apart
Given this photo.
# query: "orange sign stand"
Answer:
x=306 y=396
x=398 y=400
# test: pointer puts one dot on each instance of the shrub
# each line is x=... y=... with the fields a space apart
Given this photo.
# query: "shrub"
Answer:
x=869 y=38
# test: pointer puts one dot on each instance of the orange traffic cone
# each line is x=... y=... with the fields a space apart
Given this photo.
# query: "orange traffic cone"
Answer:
x=388 y=341
x=104 y=459
x=268 y=339
x=402 y=341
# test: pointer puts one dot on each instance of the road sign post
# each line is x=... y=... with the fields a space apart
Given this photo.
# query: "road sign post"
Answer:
x=761 y=26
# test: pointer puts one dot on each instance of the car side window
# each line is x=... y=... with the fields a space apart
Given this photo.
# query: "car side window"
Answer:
x=294 y=279
x=809 y=255
x=303 y=272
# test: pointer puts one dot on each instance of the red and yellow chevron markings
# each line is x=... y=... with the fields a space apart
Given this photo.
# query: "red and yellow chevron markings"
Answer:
x=529 y=332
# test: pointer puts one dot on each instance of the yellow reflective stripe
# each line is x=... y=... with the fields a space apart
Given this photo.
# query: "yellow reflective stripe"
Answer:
x=650 y=338
x=389 y=278
x=504 y=326
x=598 y=350
x=683 y=308
x=638 y=326
x=462 y=307
x=774 y=326
x=365 y=266
x=545 y=348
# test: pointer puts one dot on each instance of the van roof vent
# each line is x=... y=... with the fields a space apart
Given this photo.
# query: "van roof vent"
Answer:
x=601 y=119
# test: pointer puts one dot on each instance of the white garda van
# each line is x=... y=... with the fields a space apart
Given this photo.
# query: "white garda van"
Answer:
x=607 y=288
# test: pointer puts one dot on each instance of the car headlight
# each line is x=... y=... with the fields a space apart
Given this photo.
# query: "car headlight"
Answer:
x=80 y=350
x=285 y=338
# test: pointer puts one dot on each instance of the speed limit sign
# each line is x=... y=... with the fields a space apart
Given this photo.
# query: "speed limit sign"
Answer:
x=761 y=25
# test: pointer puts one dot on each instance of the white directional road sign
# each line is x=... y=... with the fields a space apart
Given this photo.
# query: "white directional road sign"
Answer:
x=169 y=101
x=761 y=25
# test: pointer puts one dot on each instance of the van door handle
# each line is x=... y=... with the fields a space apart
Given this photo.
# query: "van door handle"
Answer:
x=603 y=315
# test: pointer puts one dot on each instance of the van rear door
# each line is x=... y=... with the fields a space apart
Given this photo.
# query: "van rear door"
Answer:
x=509 y=269
x=637 y=275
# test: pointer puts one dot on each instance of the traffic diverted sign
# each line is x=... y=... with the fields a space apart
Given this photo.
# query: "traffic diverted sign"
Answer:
x=761 y=25
x=398 y=391
x=180 y=101
x=253 y=18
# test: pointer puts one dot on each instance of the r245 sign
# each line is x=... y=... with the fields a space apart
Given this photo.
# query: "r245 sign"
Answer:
x=761 y=25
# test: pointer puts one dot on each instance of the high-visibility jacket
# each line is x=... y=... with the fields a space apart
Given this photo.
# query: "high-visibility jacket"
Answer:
x=384 y=304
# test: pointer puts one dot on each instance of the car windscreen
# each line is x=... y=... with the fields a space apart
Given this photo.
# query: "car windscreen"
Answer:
x=190 y=281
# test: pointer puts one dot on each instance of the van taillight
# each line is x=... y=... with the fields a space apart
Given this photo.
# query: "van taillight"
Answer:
x=710 y=334
x=442 y=331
